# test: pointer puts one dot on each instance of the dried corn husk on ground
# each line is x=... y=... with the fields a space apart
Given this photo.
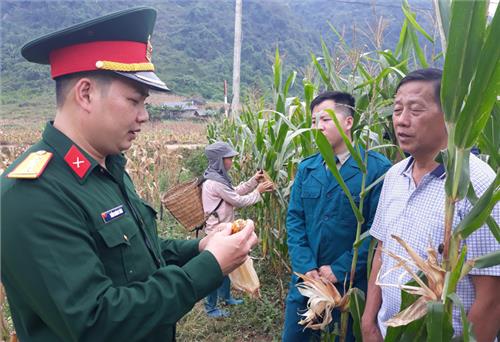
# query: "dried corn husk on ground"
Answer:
x=244 y=278
x=431 y=291
x=4 y=328
x=323 y=298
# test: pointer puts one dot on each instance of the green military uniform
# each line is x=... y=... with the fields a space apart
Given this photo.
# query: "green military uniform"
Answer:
x=80 y=255
x=92 y=280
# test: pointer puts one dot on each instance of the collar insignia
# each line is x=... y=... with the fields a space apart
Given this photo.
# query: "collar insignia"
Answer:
x=77 y=161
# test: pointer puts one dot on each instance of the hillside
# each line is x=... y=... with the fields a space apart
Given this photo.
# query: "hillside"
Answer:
x=193 y=40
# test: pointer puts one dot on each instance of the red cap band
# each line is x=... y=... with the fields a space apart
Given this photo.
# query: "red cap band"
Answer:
x=83 y=57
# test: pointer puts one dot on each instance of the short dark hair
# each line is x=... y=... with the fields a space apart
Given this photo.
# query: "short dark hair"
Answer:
x=345 y=99
x=429 y=75
x=64 y=83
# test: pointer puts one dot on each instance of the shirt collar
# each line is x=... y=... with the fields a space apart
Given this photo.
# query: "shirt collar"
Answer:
x=438 y=172
x=342 y=157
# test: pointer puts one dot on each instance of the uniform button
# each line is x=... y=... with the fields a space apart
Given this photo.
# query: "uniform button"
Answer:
x=329 y=195
x=101 y=169
x=325 y=218
x=125 y=237
x=130 y=271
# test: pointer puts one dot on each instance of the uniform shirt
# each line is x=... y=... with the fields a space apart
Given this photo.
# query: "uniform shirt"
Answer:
x=81 y=260
x=241 y=196
x=321 y=225
x=416 y=214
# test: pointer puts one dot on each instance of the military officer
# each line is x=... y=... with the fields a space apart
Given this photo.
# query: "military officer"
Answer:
x=81 y=259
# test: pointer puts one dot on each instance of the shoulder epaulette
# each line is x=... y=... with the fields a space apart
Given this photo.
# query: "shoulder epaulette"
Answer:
x=32 y=166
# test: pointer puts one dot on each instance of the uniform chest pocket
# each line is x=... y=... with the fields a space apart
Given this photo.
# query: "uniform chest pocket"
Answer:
x=346 y=213
x=124 y=252
x=310 y=199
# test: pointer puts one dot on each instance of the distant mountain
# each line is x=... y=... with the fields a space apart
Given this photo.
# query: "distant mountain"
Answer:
x=193 y=40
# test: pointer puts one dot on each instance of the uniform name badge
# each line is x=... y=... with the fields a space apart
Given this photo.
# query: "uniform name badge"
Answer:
x=32 y=166
x=113 y=214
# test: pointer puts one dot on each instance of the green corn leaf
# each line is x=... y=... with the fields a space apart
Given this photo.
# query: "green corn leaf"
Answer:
x=417 y=48
x=489 y=140
x=456 y=272
x=443 y=9
x=480 y=101
x=372 y=185
x=362 y=238
x=371 y=253
x=467 y=334
x=465 y=39
x=438 y=323
x=480 y=212
x=329 y=156
x=339 y=36
x=356 y=308
x=322 y=73
x=484 y=90
x=488 y=260
x=457 y=181
x=400 y=49
x=289 y=83
x=354 y=152
x=277 y=70
x=411 y=19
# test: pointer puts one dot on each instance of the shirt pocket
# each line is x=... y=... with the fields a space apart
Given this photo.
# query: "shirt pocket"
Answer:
x=346 y=214
x=124 y=252
x=310 y=198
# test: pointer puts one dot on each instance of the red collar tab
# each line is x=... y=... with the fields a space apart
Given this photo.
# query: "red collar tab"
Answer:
x=83 y=57
x=77 y=161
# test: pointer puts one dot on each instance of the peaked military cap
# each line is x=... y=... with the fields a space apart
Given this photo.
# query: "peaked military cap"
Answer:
x=117 y=42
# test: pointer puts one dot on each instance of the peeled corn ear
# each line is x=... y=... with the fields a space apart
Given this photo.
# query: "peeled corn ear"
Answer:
x=238 y=225
x=244 y=278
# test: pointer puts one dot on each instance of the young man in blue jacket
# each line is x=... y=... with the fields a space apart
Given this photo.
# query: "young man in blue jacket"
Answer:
x=321 y=225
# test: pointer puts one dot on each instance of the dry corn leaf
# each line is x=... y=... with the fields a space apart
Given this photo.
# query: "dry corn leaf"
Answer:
x=430 y=291
x=323 y=298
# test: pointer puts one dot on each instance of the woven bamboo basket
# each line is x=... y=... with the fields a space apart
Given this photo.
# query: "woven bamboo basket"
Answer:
x=183 y=201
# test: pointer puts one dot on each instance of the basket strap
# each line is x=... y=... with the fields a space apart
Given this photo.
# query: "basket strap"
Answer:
x=214 y=212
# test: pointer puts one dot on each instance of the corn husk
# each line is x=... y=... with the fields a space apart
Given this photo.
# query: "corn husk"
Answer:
x=431 y=291
x=323 y=298
x=267 y=178
x=245 y=279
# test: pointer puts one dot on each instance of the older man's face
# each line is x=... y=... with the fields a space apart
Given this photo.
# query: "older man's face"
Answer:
x=418 y=120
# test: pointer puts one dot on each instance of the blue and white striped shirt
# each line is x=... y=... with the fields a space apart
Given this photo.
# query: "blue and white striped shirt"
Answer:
x=416 y=214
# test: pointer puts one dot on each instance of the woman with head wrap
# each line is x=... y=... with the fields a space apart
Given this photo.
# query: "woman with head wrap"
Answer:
x=219 y=194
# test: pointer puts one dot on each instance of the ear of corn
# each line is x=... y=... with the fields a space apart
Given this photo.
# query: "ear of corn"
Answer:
x=323 y=298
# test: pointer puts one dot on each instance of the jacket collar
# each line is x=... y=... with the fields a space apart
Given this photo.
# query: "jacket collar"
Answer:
x=65 y=147
x=323 y=175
